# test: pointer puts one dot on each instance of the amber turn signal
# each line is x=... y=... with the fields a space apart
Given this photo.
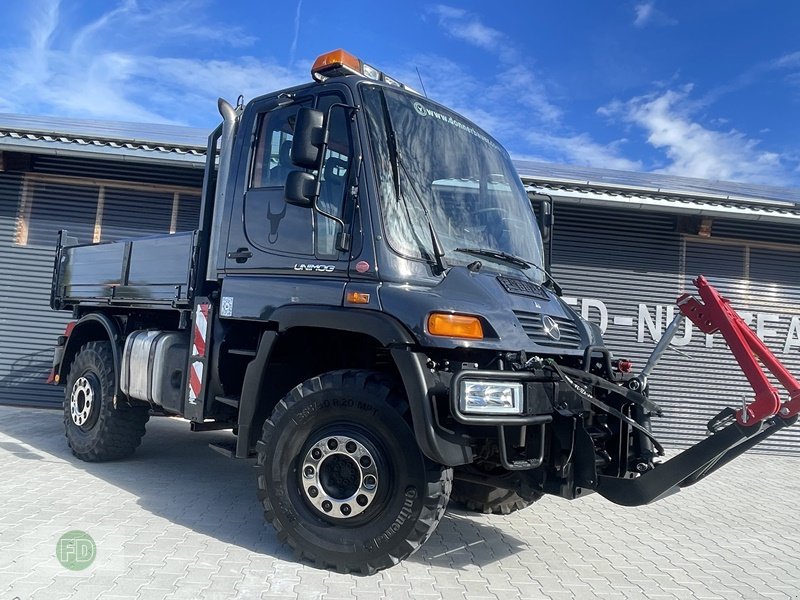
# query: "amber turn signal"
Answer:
x=459 y=326
x=357 y=298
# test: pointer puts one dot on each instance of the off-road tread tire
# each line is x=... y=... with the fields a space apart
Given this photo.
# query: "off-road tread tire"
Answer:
x=439 y=480
x=488 y=500
x=118 y=431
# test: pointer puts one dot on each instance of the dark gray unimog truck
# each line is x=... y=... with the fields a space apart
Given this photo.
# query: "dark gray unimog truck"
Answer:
x=365 y=304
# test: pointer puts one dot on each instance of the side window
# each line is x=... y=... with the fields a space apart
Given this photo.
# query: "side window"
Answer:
x=335 y=175
x=272 y=160
x=270 y=223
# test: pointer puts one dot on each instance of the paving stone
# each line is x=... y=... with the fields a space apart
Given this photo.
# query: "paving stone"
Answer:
x=178 y=521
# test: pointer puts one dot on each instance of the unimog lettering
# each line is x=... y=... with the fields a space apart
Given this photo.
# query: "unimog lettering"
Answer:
x=317 y=268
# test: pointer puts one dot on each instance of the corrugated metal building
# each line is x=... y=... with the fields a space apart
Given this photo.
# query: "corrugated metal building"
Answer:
x=100 y=181
x=625 y=246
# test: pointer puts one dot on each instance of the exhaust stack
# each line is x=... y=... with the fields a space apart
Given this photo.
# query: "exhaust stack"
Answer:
x=230 y=121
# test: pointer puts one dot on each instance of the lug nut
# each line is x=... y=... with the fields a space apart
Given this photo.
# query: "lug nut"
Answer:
x=370 y=482
x=362 y=500
x=333 y=444
x=345 y=509
x=308 y=471
x=316 y=454
x=365 y=461
x=313 y=492
x=351 y=447
x=327 y=506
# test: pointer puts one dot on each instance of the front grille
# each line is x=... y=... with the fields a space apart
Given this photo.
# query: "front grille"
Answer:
x=532 y=325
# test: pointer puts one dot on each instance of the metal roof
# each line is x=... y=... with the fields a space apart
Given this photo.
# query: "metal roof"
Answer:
x=585 y=185
x=132 y=141
x=657 y=191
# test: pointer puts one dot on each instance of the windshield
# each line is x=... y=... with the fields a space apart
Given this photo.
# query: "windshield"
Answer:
x=438 y=171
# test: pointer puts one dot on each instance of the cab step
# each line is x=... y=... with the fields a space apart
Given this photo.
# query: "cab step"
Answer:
x=227 y=448
x=242 y=351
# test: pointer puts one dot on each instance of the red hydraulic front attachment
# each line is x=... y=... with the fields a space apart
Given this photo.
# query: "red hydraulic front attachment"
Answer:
x=714 y=314
x=728 y=437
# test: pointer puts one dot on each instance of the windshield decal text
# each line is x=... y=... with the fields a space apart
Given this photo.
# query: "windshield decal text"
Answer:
x=424 y=111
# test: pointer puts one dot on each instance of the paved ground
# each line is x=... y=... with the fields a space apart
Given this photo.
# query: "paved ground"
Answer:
x=180 y=521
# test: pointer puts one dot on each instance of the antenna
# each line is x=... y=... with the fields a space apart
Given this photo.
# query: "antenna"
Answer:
x=420 y=82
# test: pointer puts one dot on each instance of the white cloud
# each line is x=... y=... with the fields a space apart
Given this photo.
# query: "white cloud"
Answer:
x=513 y=104
x=581 y=149
x=293 y=48
x=462 y=25
x=648 y=14
x=462 y=91
x=787 y=61
x=116 y=67
x=513 y=107
x=644 y=12
x=693 y=150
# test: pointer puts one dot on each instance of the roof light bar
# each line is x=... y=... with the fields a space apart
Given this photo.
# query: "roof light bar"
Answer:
x=340 y=62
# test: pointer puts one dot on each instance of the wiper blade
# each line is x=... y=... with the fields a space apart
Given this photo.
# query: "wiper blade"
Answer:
x=438 y=251
x=498 y=255
x=515 y=261
x=396 y=163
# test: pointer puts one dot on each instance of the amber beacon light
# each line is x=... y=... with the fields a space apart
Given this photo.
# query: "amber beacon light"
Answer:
x=458 y=326
x=339 y=62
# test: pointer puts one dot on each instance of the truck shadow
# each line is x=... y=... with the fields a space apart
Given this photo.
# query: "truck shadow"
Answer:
x=176 y=476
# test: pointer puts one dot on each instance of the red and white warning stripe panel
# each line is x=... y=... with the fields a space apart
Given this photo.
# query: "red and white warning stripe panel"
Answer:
x=199 y=338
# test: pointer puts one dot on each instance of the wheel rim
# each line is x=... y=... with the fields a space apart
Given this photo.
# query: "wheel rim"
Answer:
x=339 y=476
x=82 y=401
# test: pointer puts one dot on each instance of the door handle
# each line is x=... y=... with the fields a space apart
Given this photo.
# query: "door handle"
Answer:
x=241 y=255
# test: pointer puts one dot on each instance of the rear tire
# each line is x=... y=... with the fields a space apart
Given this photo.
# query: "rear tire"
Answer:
x=341 y=477
x=95 y=430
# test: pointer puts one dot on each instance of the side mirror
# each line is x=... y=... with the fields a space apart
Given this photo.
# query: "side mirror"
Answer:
x=301 y=188
x=309 y=136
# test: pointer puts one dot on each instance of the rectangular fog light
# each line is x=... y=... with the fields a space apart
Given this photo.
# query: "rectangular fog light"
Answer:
x=490 y=397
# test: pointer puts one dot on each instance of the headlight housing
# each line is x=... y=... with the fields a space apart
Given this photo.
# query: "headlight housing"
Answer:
x=488 y=397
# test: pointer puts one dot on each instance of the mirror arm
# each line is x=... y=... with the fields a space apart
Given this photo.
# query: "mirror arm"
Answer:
x=343 y=239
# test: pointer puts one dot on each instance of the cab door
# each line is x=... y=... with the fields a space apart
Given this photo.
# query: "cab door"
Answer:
x=277 y=253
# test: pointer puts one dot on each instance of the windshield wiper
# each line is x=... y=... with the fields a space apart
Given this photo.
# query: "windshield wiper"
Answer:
x=513 y=260
x=394 y=158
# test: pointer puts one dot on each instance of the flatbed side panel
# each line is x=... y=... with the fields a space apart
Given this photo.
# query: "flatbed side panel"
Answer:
x=155 y=269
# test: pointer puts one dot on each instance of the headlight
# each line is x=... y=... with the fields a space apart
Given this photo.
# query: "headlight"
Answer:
x=490 y=397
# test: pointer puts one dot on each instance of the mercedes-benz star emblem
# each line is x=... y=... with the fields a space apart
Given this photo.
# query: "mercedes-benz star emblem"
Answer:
x=551 y=328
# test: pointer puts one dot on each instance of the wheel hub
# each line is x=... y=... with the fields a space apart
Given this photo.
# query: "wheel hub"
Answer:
x=339 y=476
x=81 y=401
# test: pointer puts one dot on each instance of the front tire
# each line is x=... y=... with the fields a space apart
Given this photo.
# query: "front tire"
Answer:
x=341 y=477
x=95 y=430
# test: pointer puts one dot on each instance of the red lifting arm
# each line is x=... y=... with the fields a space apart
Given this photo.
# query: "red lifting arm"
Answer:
x=715 y=314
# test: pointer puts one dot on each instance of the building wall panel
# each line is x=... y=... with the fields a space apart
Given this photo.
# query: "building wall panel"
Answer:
x=624 y=269
x=94 y=200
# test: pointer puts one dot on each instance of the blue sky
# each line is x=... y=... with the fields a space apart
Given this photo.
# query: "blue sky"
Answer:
x=697 y=88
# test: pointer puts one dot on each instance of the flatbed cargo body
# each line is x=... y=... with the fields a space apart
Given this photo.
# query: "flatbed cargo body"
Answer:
x=153 y=271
